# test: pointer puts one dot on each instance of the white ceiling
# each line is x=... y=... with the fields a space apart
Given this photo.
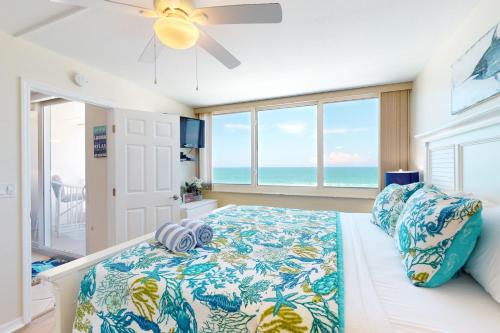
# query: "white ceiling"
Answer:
x=321 y=45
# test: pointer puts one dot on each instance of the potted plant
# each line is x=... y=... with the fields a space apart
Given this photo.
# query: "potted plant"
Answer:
x=192 y=190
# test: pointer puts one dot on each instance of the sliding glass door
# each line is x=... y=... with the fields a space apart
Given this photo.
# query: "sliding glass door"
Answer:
x=58 y=182
x=67 y=177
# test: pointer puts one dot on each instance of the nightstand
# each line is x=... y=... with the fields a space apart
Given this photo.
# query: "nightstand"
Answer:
x=197 y=208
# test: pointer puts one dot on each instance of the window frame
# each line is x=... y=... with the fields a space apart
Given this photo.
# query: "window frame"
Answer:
x=320 y=190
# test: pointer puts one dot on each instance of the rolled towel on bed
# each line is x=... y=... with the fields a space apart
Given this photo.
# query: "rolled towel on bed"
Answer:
x=175 y=237
x=203 y=232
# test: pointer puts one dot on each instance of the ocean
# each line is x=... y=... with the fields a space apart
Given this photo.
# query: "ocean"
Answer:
x=299 y=176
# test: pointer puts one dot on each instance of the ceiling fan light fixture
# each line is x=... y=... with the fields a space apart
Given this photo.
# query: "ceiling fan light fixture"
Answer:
x=177 y=33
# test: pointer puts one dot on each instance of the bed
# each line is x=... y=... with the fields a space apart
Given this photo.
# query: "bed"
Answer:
x=377 y=298
x=371 y=292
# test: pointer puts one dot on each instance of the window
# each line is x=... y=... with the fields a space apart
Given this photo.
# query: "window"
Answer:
x=287 y=146
x=323 y=148
x=350 y=143
x=232 y=149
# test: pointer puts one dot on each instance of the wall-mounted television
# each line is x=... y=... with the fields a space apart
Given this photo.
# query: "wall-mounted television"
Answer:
x=192 y=133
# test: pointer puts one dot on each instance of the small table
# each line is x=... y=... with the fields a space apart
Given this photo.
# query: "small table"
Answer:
x=196 y=208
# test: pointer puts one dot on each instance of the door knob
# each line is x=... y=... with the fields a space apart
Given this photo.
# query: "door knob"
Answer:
x=175 y=197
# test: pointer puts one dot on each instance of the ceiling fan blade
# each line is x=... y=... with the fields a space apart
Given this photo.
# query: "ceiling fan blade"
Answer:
x=243 y=14
x=148 y=54
x=111 y=4
x=217 y=50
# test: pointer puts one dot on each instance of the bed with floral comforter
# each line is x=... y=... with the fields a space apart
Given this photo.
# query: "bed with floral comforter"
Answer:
x=267 y=270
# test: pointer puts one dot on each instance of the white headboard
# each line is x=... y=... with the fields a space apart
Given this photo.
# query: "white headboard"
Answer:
x=465 y=155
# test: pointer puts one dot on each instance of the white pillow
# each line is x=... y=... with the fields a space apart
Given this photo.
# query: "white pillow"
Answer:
x=484 y=262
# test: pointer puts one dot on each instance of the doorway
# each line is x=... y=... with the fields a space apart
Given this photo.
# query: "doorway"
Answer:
x=63 y=170
x=57 y=190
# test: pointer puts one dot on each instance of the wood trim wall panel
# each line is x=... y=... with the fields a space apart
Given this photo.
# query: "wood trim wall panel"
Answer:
x=309 y=98
x=465 y=160
x=394 y=131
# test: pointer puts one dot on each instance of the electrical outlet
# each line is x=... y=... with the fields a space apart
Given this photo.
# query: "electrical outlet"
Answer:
x=7 y=191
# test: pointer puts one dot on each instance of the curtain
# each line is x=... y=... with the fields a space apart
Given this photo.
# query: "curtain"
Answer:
x=394 y=131
x=205 y=162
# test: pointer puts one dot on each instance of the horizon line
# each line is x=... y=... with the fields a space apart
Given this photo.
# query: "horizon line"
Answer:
x=326 y=166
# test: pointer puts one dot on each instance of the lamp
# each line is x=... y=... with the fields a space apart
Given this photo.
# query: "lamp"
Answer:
x=176 y=32
x=401 y=177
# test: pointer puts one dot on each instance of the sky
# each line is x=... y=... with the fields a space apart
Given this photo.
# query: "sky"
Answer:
x=231 y=142
x=287 y=137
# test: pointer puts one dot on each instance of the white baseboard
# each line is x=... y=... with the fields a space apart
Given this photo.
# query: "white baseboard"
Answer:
x=12 y=325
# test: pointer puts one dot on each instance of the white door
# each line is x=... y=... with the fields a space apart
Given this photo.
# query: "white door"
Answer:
x=146 y=165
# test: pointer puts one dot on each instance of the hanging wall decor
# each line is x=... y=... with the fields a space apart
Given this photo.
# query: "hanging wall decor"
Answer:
x=100 y=141
x=476 y=75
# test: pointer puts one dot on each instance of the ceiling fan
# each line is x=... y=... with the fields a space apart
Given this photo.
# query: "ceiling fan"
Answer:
x=179 y=23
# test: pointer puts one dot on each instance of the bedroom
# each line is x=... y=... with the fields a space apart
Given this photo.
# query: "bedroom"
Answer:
x=277 y=100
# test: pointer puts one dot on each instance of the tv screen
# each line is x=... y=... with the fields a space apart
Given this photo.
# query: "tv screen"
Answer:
x=192 y=133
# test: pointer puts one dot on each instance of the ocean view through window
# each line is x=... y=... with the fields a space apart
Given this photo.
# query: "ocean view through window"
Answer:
x=287 y=146
x=287 y=138
x=350 y=143
x=232 y=149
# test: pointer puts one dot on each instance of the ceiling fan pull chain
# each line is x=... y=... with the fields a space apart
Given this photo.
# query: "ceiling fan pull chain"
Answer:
x=196 y=60
x=156 y=67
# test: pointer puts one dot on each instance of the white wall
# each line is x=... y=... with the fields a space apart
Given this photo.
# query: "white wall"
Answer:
x=431 y=98
x=19 y=58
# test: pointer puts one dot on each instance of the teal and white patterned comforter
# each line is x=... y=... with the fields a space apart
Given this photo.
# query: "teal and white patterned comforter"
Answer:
x=267 y=270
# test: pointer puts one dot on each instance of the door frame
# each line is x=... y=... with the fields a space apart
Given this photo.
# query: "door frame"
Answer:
x=26 y=86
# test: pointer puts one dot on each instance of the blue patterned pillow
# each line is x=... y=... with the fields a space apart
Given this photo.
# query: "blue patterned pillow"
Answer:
x=436 y=234
x=390 y=203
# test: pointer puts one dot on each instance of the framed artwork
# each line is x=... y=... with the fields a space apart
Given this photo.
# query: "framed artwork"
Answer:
x=100 y=141
x=476 y=75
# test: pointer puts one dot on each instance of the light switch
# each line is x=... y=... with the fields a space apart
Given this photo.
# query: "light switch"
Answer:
x=7 y=191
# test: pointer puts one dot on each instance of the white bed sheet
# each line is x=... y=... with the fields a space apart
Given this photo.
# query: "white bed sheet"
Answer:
x=380 y=298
